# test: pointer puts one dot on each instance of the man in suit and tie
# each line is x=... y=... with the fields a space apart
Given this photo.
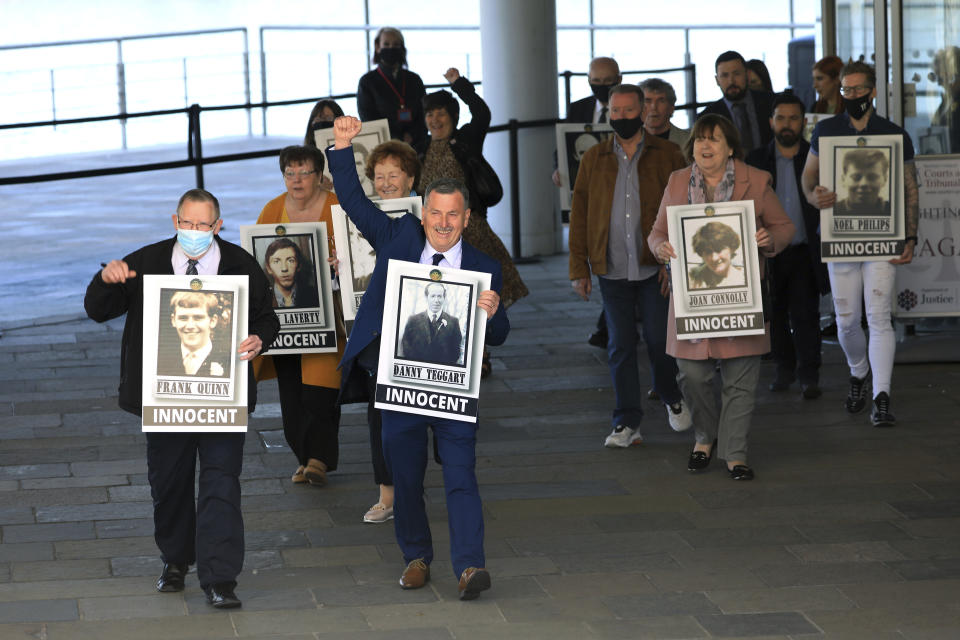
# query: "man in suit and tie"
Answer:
x=432 y=335
x=436 y=239
x=603 y=75
x=208 y=531
x=749 y=110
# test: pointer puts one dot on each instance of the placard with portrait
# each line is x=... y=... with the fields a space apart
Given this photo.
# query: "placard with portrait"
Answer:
x=293 y=256
x=573 y=140
x=431 y=346
x=372 y=133
x=867 y=221
x=810 y=121
x=193 y=377
x=357 y=258
x=716 y=274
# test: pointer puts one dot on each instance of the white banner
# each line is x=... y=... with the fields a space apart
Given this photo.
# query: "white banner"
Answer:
x=930 y=285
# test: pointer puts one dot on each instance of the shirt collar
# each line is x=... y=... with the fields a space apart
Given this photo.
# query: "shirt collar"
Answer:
x=207 y=265
x=451 y=257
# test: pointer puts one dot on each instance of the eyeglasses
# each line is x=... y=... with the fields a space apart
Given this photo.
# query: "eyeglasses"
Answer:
x=293 y=175
x=849 y=92
x=197 y=226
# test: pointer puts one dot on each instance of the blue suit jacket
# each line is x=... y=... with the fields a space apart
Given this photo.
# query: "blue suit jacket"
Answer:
x=398 y=239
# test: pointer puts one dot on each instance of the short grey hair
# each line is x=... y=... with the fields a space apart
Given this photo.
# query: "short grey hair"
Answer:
x=446 y=186
x=626 y=89
x=656 y=85
x=200 y=195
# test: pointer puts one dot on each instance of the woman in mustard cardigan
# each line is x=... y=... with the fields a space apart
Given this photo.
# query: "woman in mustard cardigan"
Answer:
x=309 y=383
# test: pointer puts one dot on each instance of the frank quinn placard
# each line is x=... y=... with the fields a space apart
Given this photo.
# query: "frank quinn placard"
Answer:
x=867 y=221
x=432 y=341
x=716 y=275
x=573 y=140
x=193 y=379
x=372 y=133
x=294 y=258
x=357 y=257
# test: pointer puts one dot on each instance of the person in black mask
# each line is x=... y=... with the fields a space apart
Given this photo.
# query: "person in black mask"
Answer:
x=393 y=92
x=603 y=74
x=615 y=201
x=871 y=281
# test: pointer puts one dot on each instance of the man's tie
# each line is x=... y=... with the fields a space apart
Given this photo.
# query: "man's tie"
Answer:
x=743 y=122
x=437 y=257
x=192 y=267
x=603 y=115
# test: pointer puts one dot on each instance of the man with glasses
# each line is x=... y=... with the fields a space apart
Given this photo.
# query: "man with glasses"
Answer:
x=872 y=282
x=209 y=533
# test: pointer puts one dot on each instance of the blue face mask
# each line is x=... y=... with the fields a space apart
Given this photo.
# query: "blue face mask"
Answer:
x=194 y=243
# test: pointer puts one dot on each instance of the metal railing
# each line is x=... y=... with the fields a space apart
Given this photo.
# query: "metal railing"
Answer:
x=196 y=159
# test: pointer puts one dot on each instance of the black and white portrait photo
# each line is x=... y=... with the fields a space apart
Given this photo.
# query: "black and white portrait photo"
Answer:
x=362 y=258
x=574 y=140
x=714 y=259
x=863 y=181
x=434 y=319
x=372 y=133
x=289 y=266
x=195 y=333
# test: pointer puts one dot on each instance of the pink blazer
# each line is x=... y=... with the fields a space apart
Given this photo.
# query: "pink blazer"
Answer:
x=749 y=184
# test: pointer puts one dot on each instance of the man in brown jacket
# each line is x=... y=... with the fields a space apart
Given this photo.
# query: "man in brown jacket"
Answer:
x=615 y=201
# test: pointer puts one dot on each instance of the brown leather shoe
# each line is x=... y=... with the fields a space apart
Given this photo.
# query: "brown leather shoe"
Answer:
x=315 y=472
x=473 y=581
x=415 y=575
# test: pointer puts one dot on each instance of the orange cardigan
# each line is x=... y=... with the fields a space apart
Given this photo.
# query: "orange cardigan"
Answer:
x=316 y=369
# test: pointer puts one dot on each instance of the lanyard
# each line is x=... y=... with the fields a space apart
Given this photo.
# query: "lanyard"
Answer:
x=403 y=87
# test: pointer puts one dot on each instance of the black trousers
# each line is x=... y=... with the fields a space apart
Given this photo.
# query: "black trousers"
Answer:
x=796 y=307
x=311 y=415
x=210 y=533
x=381 y=472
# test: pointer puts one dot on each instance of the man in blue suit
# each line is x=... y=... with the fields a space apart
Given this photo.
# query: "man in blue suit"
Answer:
x=436 y=239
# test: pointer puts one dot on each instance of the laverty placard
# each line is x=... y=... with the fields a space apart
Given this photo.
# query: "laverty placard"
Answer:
x=193 y=378
x=432 y=342
x=716 y=274
x=357 y=258
x=294 y=258
x=867 y=221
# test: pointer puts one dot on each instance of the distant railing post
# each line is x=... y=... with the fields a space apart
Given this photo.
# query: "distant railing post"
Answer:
x=53 y=99
x=195 y=143
x=566 y=89
x=514 y=186
x=121 y=94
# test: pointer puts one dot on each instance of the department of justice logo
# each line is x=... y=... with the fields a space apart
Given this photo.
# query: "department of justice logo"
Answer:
x=196 y=284
x=435 y=275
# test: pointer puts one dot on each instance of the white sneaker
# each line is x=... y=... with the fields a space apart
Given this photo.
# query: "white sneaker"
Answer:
x=623 y=437
x=679 y=416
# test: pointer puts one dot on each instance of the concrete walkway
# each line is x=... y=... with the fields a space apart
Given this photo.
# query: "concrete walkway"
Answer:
x=847 y=532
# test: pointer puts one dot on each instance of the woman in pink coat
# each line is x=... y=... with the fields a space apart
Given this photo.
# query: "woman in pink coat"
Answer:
x=718 y=174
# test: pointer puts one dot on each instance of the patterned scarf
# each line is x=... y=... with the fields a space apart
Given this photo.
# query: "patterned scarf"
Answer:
x=697 y=189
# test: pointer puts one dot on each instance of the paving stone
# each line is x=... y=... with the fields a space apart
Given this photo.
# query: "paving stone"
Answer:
x=780 y=599
x=254 y=600
x=159 y=605
x=256 y=624
x=59 y=570
x=757 y=624
x=26 y=551
x=595 y=585
x=853 y=532
x=671 y=604
x=213 y=626
x=705 y=579
x=658 y=628
x=74 y=481
x=104 y=548
x=109 y=511
x=325 y=557
x=762 y=536
x=400 y=616
x=34 y=471
x=124 y=528
x=928 y=508
x=48 y=532
x=826 y=573
x=114 y=467
x=845 y=552
x=16 y=515
x=927 y=569
x=38 y=611
x=541 y=630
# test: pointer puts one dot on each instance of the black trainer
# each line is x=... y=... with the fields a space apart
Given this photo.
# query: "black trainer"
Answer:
x=881 y=416
x=856 y=396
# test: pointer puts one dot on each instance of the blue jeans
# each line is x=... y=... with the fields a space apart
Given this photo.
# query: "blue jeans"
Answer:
x=626 y=303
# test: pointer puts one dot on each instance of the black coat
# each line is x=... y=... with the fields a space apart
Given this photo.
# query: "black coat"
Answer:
x=582 y=110
x=766 y=158
x=419 y=341
x=762 y=102
x=107 y=301
x=376 y=100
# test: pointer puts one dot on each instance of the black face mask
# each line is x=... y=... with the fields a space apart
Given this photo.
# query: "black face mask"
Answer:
x=857 y=107
x=391 y=56
x=626 y=128
x=321 y=124
x=602 y=91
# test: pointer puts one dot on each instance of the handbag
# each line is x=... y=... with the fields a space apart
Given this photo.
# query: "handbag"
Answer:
x=482 y=181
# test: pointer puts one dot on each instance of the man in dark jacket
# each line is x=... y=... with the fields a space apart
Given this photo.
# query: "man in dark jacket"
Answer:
x=432 y=335
x=797 y=277
x=210 y=533
x=749 y=110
